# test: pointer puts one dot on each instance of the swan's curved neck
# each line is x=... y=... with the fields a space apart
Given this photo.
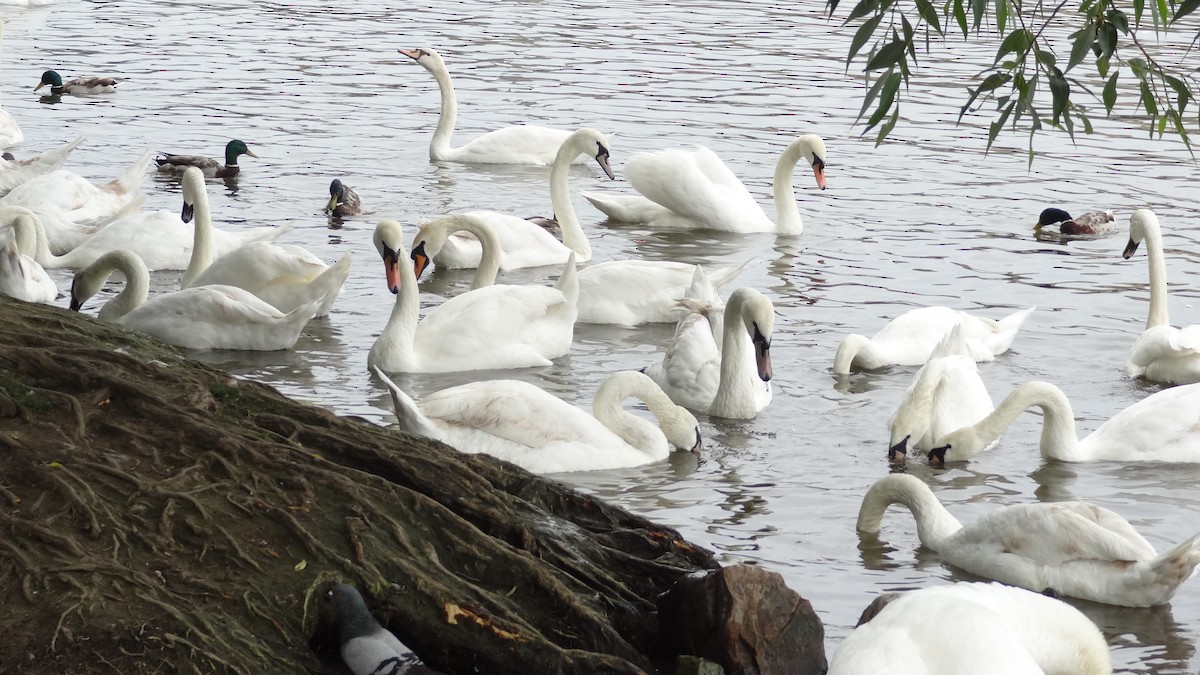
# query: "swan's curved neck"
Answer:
x=201 y=240
x=560 y=200
x=400 y=332
x=439 y=146
x=787 y=212
x=137 y=282
x=850 y=348
x=31 y=236
x=634 y=430
x=490 y=248
x=736 y=386
x=1058 y=439
x=934 y=522
x=1158 y=280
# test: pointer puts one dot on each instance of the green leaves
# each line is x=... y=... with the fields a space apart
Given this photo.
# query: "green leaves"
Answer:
x=1110 y=93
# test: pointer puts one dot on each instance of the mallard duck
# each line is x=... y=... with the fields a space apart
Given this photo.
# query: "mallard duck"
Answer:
x=211 y=167
x=1095 y=222
x=343 y=200
x=80 y=86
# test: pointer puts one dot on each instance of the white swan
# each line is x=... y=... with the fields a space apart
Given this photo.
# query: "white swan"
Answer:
x=1162 y=353
x=523 y=424
x=22 y=278
x=1163 y=427
x=522 y=144
x=494 y=327
x=624 y=292
x=16 y=171
x=909 y=339
x=523 y=243
x=74 y=197
x=976 y=628
x=10 y=132
x=946 y=394
x=159 y=238
x=1073 y=548
x=684 y=189
x=286 y=276
x=205 y=317
x=731 y=379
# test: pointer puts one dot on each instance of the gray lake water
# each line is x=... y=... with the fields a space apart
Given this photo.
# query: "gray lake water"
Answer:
x=319 y=91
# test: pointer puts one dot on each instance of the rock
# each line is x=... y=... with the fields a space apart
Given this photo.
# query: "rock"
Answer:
x=746 y=619
x=694 y=665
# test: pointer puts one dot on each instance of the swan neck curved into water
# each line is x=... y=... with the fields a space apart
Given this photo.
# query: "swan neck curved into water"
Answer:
x=560 y=200
x=634 y=430
x=137 y=283
x=787 y=211
x=1159 y=314
x=934 y=522
x=439 y=146
x=1058 y=439
x=196 y=193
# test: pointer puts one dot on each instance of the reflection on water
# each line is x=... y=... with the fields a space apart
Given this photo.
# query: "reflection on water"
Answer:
x=925 y=219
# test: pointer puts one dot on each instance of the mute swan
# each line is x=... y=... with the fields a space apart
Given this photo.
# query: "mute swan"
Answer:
x=74 y=197
x=10 y=133
x=1073 y=548
x=523 y=424
x=522 y=144
x=624 y=292
x=493 y=327
x=1162 y=353
x=343 y=200
x=729 y=380
x=80 y=86
x=981 y=629
x=1095 y=222
x=367 y=647
x=1163 y=427
x=946 y=394
x=17 y=171
x=158 y=238
x=909 y=339
x=286 y=276
x=211 y=167
x=22 y=278
x=694 y=190
x=205 y=317
x=524 y=243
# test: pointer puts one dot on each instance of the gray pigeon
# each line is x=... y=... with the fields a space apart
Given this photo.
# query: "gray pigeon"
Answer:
x=367 y=647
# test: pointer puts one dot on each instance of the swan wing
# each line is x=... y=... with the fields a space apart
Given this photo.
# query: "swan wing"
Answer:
x=520 y=144
x=22 y=278
x=257 y=264
x=1165 y=342
x=1163 y=427
x=158 y=237
x=218 y=317
x=631 y=292
x=690 y=370
x=694 y=184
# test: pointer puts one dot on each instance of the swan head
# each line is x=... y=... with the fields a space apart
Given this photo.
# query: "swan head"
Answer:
x=1140 y=223
x=235 y=149
x=51 y=78
x=758 y=317
x=193 y=187
x=812 y=148
x=682 y=430
x=389 y=241
x=427 y=57
x=590 y=142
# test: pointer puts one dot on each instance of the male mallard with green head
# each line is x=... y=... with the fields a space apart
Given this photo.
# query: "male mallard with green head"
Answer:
x=80 y=86
x=1095 y=222
x=343 y=200
x=211 y=167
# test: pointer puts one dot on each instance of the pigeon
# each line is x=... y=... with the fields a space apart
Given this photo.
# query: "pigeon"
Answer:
x=367 y=647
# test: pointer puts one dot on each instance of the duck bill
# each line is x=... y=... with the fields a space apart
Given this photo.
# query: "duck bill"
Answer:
x=819 y=174
x=1130 y=249
x=40 y=85
x=333 y=202
x=251 y=153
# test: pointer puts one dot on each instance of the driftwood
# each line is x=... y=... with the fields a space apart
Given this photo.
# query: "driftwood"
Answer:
x=157 y=515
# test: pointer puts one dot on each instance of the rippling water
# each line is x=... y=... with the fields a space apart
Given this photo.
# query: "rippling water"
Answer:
x=319 y=91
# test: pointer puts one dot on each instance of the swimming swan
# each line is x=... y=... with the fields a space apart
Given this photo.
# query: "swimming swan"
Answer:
x=75 y=198
x=731 y=380
x=909 y=339
x=16 y=171
x=1073 y=548
x=524 y=243
x=205 y=317
x=946 y=394
x=1162 y=353
x=523 y=424
x=1163 y=427
x=976 y=628
x=623 y=292
x=494 y=327
x=522 y=144
x=693 y=189
x=285 y=276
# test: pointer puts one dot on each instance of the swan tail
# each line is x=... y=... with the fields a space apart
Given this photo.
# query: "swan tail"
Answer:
x=131 y=208
x=568 y=283
x=131 y=178
x=53 y=159
x=1178 y=563
x=1007 y=330
x=953 y=344
x=620 y=208
x=267 y=234
x=329 y=283
x=408 y=413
